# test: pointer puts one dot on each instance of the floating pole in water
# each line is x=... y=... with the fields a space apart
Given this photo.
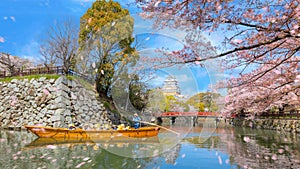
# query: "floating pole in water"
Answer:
x=160 y=127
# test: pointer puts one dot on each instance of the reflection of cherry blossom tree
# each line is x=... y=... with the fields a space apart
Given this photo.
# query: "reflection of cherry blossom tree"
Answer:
x=256 y=150
x=260 y=43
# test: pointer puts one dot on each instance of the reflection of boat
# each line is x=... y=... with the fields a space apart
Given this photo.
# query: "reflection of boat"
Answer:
x=44 y=142
x=50 y=132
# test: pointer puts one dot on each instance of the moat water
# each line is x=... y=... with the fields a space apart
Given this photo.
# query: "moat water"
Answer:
x=224 y=148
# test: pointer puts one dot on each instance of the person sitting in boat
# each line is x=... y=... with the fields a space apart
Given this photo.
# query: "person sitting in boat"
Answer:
x=136 y=121
x=121 y=127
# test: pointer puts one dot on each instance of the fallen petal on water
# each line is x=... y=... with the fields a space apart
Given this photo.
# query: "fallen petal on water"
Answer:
x=86 y=158
x=51 y=146
x=220 y=160
x=246 y=139
x=281 y=150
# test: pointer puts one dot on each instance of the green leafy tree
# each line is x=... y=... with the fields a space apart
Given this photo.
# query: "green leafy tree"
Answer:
x=138 y=93
x=156 y=101
x=105 y=40
x=205 y=100
x=199 y=106
x=171 y=103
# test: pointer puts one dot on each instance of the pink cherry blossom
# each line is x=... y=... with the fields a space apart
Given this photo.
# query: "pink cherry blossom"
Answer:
x=260 y=44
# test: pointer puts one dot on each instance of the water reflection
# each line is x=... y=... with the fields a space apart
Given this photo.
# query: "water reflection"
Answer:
x=263 y=148
x=226 y=148
x=254 y=148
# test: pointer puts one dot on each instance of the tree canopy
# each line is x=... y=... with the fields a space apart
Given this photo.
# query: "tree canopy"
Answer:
x=260 y=44
x=105 y=40
x=205 y=101
x=138 y=93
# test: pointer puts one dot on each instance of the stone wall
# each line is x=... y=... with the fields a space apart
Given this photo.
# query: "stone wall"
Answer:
x=271 y=124
x=50 y=102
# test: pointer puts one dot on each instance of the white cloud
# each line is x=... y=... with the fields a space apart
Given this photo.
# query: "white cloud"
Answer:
x=2 y=40
x=184 y=77
x=12 y=18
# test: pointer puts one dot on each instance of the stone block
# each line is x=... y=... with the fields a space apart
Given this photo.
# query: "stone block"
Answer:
x=42 y=79
x=16 y=90
x=67 y=113
x=30 y=123
x=55 y=106
x=56 y=118
x=71 y=83
x=62 y=87
x=57 y=124
x=12 y=86
x=61 y=80
x=14 y=81
x=51 y=81
x=59 y=112
x=63 y=100
x=62 y=94
x=68 y=119
x=73 y=96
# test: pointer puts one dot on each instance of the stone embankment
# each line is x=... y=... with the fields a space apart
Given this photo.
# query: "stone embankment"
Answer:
x=50 y=102
x=283 y=125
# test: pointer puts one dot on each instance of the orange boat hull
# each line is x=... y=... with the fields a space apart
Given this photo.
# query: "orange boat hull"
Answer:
x=50 y=132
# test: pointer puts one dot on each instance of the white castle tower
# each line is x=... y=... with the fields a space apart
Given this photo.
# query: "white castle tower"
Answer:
x=170 y=86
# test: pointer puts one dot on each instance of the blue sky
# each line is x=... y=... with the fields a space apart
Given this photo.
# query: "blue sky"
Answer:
x=24 y=23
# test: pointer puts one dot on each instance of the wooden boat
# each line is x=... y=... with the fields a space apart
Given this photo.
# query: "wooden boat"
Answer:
x=50 y=132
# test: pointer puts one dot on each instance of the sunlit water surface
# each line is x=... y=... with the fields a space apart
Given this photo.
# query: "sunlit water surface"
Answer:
x=225 y=148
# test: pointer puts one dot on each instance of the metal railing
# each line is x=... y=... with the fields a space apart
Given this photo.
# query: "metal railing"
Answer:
x=81 y=75
x=32 y=71
x=199 y=114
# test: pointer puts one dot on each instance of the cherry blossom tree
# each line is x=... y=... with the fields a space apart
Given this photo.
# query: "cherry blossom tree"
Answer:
x=11 y=64
x=260 y=44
